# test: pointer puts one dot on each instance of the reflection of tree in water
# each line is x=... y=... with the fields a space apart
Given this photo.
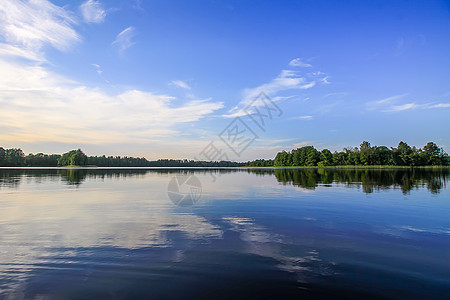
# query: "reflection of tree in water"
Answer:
x=369 y=179
x=11 y=178
x=78 y=176
x=72 y=176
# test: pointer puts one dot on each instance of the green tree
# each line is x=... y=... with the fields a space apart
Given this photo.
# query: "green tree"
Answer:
x=299 y=156
x=2 y=156
x=73 y=158
x=340 y=158
x=312 y=156
x=434 y=155
x=14 y=157
x=416 y=158
x=366 y=152
x=281 y=159
x=382 y=156
x=353 y=156
x=326 y=158
x=41 y=160
x=402 y=154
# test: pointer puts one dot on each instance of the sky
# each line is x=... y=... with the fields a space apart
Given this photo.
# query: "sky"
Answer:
x=235 y=80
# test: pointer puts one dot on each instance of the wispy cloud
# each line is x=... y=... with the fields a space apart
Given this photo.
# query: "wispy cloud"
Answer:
x=306 y=118
x=286 y=80
x=440 y=105
x=10 y=51
x=297 y=62
x=325 y=80
x=402 y=107
x=180 y=84
x=98 y=69
x=413 y=105
x=124 y=39
x=137 y=4
x=29 y=25
x=390 y=104
x=382 y=103
x=336 y=95
x=92 y=11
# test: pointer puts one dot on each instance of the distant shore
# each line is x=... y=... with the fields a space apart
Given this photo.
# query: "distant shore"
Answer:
x=218 y=167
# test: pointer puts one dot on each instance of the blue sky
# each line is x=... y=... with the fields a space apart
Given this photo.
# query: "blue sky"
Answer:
x=165 y=78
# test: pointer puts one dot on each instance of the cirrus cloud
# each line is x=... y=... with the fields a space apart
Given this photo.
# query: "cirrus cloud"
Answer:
x=93 y=12
x=124 y=39
x=286 y=80
x=297 y=62
x=30 y=25
x=180 y=84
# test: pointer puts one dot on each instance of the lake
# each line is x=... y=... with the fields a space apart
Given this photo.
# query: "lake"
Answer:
x=224 y=233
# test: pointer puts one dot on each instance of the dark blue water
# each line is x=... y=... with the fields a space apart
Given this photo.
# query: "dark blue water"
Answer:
x=235 y=234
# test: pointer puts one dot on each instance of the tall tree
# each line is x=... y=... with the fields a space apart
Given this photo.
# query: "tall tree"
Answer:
x=402 y=154
x=73 y=158
x=326 y=158
x=14 y=157
x=312 y=156
x=2 y=156
x=434 y=155
x=281 y=159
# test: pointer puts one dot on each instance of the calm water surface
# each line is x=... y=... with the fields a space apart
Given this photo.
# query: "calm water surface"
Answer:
x=116 y=234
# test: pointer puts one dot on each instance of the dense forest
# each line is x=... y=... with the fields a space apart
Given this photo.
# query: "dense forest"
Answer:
x=15 y=157
x=365 y=155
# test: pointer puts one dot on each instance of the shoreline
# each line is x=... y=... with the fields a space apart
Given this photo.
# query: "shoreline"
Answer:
x=225 y=168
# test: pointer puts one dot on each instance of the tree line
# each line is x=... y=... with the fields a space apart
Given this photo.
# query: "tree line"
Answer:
x=15 y=157
x=366 y=155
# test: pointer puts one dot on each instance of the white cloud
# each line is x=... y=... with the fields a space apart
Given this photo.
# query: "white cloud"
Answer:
x=124 y=39
x=336 y=95
x=41 y=106
x=11 y=52
x=286 y=80
x=180 y=84
x=325 y=80
x=301 y=144
x=31 y=25
x=440 y=105
x=306 y=118
x=297 y=62
x=388 y=99
x=383 y=103
x=92 y=12
x=401 y=107
x=98 y=69
x=390 y=104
